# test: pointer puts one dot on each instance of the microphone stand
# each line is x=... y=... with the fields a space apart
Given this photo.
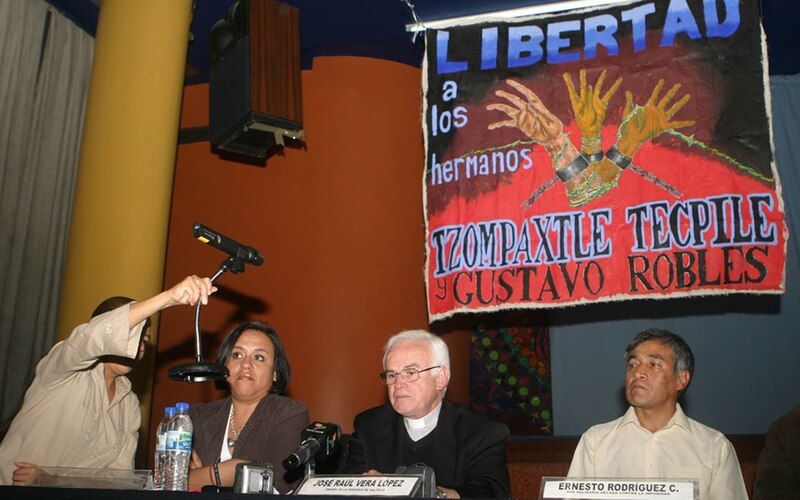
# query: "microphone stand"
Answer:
x=200 y=371
x=311 y=467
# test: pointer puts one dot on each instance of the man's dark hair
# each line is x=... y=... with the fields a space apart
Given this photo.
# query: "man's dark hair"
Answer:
x=681 y=352
x=281 y=364
x=112 y=303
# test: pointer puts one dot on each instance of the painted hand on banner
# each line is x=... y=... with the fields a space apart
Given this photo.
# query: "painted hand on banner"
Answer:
x=530 y=115
x=590 y=107
x=586 y=179
x=642 y=123
x=639 y=125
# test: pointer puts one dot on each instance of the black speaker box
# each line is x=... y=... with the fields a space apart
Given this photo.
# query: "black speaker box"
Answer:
x=254 y=88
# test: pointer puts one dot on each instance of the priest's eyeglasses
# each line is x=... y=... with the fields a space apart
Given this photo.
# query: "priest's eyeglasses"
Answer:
x=407 y=374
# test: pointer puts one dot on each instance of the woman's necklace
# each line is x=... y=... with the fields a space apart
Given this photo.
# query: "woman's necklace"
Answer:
x=234 y=432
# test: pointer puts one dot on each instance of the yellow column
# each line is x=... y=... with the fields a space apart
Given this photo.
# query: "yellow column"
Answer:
x=119 y=220
x=118 y=230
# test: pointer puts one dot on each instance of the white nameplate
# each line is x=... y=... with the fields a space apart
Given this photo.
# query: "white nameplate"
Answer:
x=619 y=489
x=393 y=485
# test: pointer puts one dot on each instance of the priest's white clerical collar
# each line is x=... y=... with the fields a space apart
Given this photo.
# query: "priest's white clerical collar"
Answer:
x=418 y=428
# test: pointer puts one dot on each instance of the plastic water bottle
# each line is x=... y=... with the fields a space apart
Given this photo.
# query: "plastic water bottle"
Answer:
x=159 y=471
x=179 y=449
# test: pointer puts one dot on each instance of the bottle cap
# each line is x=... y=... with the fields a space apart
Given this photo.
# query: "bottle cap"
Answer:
x=182 y=407
x=170 y=411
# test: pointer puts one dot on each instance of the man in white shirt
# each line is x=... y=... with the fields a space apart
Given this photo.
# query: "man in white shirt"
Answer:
x=654 y=438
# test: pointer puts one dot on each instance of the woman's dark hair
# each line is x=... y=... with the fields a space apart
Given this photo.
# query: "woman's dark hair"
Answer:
x=281 y=364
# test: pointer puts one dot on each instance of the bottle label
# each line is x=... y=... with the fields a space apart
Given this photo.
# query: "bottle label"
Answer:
x=179 y=440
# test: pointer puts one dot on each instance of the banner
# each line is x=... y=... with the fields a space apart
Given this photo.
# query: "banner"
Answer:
x=614 y=153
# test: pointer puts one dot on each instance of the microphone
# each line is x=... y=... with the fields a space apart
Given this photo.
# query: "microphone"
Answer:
x=318 y=440
x=220 y=241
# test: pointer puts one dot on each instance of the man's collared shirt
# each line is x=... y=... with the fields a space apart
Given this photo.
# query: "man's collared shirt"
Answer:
x=682 y=449
x=418 y=428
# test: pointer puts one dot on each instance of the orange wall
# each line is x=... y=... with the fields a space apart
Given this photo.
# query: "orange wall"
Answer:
x=339 y=220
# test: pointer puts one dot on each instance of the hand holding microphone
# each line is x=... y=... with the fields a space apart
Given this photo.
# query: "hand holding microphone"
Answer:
x=195 y=291
x=191 y=290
